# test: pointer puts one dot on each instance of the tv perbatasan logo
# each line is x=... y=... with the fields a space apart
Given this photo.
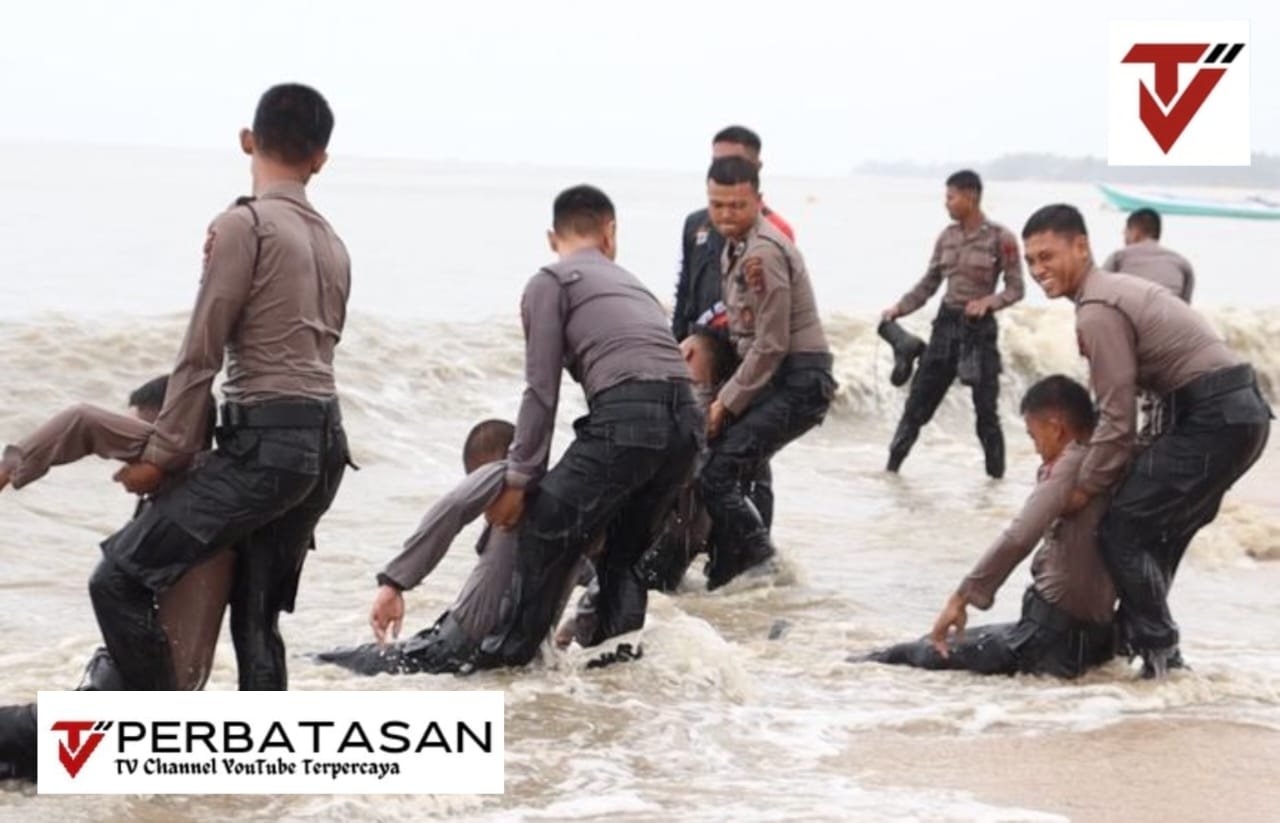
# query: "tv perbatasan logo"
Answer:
x=1178 y=93
x=345 y=742
x=81 y=739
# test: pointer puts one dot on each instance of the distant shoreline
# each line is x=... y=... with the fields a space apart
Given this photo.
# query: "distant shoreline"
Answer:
x=1264 y=173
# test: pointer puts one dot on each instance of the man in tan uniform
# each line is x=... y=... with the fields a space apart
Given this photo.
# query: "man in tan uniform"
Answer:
x=782 y=386
x=272 y=304
x=1136 y=336
x=970 y=255
x=1065 y=627
x=190 y=611
x=1143 y=256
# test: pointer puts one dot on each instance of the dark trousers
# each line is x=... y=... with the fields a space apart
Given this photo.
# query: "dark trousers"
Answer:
x=263 y=490
x=795 y=402
x=957 y=347
x=1173 y=489
x=18 y=742
x=631 y=454
x=1045 y=640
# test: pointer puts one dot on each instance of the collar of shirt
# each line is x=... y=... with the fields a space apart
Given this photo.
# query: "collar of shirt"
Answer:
x=285 y=189
x=1088 y=278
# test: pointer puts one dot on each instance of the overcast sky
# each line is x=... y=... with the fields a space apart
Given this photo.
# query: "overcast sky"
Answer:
x=600 y=84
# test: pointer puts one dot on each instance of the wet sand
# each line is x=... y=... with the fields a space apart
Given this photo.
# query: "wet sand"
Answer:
x=1170 y=769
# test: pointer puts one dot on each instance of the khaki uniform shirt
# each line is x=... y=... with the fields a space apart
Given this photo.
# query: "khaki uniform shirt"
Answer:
x=970 y=264
x=769 y=318
x=590 y=316
x=1151 y=261
x=1136 y=335
x=272 y=303
x=1067 y=570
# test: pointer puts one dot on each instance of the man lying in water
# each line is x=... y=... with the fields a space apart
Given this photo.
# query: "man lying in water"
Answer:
x=1066 y=624
x=449 y=644
x=191 y=610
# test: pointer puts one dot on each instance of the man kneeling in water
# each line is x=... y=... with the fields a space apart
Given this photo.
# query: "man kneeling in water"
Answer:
x=1066 y=625
x=448 y=645
x=191 y=610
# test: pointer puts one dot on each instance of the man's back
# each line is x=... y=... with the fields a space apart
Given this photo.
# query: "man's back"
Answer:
x=614 y=329
x=297 y=302
x=1151 y=261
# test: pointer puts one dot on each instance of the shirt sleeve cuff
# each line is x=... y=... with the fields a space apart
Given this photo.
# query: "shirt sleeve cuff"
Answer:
x=974 y=596
x=12 y=463
x=516 y=479
x=734 y=399
x=166 y=459
x=385 y=579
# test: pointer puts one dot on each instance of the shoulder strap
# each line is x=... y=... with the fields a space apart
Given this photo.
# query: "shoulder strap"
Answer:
x=247 y=202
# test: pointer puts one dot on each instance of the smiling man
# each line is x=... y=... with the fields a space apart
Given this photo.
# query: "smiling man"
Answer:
x=782 y=385
x=1138 y=335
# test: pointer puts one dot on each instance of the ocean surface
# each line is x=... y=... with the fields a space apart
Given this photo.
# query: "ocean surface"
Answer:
x=100 y=249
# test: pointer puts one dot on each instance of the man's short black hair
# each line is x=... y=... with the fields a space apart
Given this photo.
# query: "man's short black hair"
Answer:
x=1059 y=393
x=150 y=395
x=966 y=180
x=1058 y=218
x=739 y=136
x=730 y=171
x=487 y=441
x=292 y=122
x=582 y=210
x=1146 y=221
x=724 y=361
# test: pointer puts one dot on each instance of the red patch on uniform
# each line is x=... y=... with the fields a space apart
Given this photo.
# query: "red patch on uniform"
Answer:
x=1010 y=249
x=753 y=273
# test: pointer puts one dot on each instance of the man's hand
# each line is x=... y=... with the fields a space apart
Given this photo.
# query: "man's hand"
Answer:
x=1078 y=500
x=387 y=614
x=140 y=478
x=953 y=615
x=4 y=478
x=890 y=314
x=979 y=306
x=716 y=416
x=507 y=509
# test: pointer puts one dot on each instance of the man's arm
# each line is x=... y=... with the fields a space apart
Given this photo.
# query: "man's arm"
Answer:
x=1046 y=503
x=71 y=434
x=772 y=338
x=925 y=288
x=543 y=313
x=440 y=526
x=1108 y=341
x=1014 y=281
x=230 y=250
x=684 y=284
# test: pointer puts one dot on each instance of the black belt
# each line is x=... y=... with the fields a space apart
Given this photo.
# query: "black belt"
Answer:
x=1214 y=384
x=807 y=360
x=670 y=392
x=282 y=414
